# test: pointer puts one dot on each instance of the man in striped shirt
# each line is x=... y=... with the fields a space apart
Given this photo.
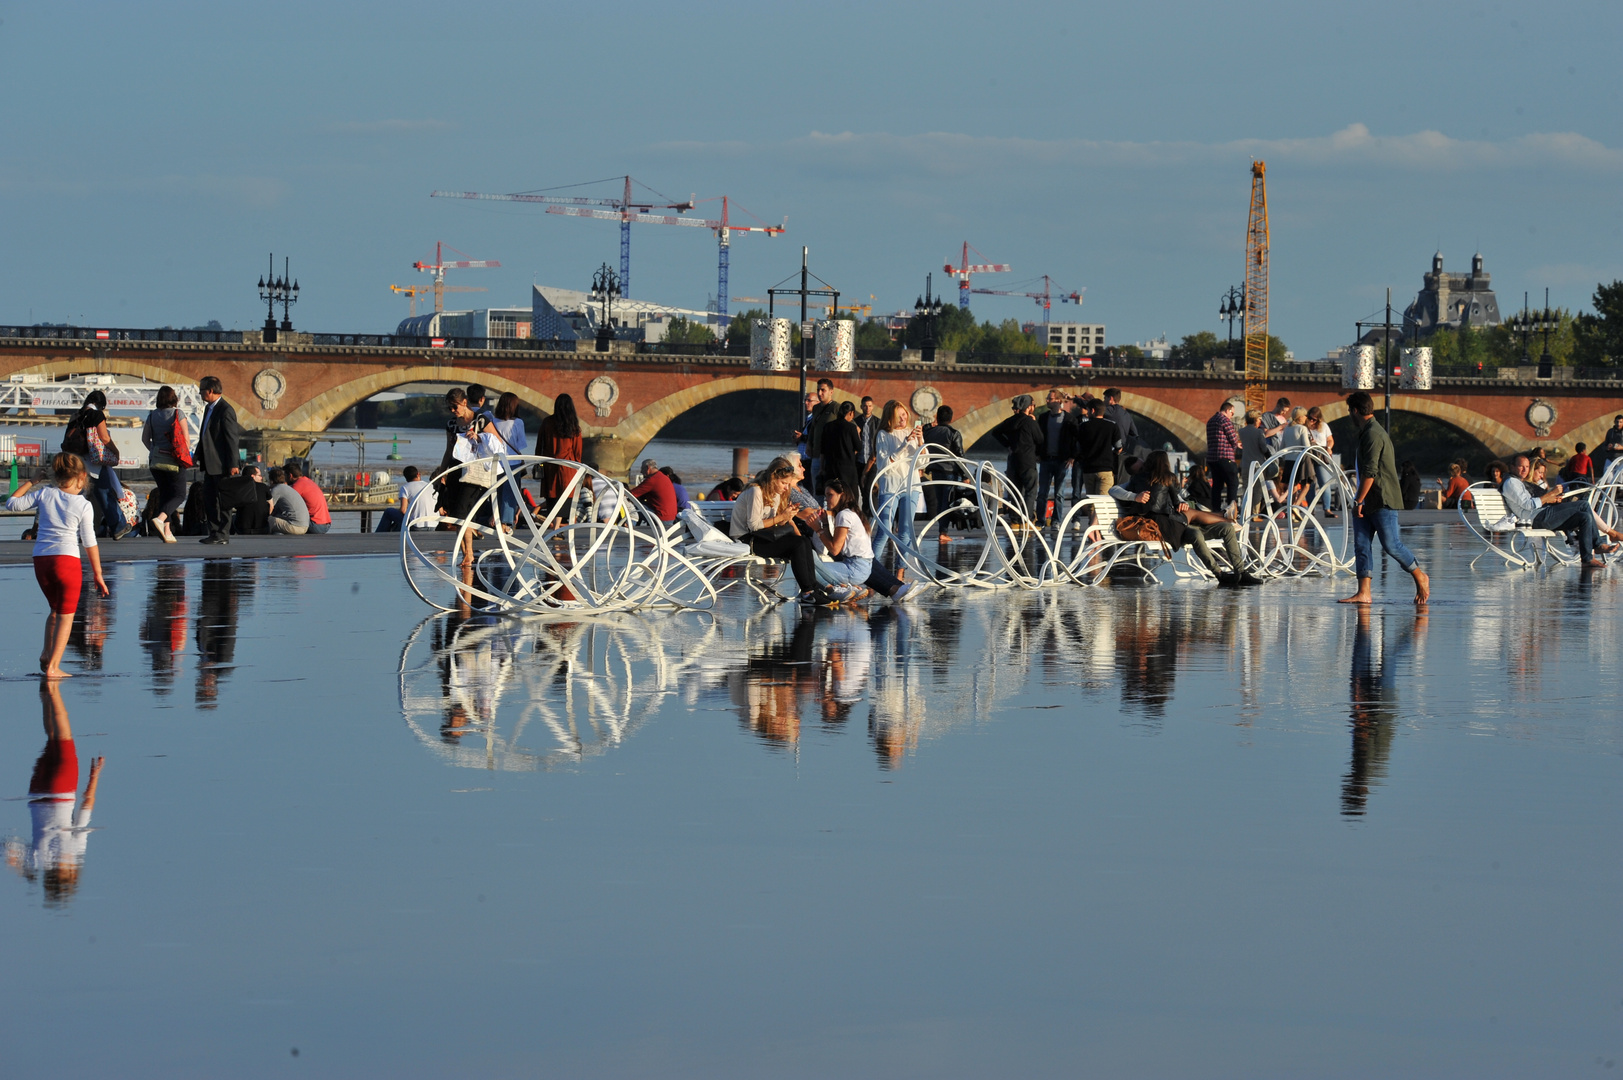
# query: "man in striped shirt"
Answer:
x=1222 y=448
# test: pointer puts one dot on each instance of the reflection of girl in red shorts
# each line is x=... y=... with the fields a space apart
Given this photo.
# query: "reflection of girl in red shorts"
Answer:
x=66 y=521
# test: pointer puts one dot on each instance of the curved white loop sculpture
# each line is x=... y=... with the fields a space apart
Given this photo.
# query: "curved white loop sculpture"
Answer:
x=1294 y=541
x=632 y=560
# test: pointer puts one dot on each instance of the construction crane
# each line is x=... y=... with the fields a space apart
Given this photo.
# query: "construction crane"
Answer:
x=964 y=270
x=625 y=210
x=412 y=292
x=438 y=268
x=1044 y=299
x=1256 y=293
x=723 y=229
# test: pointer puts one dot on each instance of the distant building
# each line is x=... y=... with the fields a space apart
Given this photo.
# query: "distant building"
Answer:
x=482 y=323
x=1156 y=349
x=1451 y=300
x=1073 y=339
x=572 y=315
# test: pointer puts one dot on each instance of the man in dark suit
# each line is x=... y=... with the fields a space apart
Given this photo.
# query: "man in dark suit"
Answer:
x=1024 y=439
x=217 y=439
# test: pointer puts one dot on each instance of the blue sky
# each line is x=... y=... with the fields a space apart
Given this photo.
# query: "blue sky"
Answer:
x=155 y=152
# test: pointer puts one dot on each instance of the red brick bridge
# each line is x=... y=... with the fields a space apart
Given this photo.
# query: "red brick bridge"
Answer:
x=625 y=399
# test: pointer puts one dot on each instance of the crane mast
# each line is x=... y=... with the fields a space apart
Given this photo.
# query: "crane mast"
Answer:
x=1256 y=293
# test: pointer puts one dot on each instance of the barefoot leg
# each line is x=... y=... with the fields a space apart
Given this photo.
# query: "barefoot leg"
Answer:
x=59 y=645
x=1422 y=585
x=1361 y=596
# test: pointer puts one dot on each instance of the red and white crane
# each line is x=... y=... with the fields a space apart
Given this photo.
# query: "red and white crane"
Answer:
x=439 y=266
x=1044 y=299
x=965 y=269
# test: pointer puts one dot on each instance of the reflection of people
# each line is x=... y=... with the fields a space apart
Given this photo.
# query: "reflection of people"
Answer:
x=66 y=522
x=216 y=627
x=1374 y=710
x=163 y=627
x=60 y=831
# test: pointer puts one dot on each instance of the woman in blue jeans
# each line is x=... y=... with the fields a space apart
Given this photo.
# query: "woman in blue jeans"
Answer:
x=897 y=466
x=845 y=538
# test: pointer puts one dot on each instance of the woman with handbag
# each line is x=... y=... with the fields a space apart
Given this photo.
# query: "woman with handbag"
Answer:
x=168 y=440
x=473 y=442
x=764 y=518
x=1153 y=511
x=88 y=437
x=558 y=436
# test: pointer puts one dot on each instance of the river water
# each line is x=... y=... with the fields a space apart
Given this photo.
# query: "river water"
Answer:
x=1121 y=831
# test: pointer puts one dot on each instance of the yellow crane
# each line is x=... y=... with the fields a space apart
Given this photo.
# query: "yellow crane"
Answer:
x=1256 y=293
x=412 y=292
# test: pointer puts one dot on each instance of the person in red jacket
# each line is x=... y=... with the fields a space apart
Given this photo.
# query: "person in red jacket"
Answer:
x=655 y=492
x=320 y=519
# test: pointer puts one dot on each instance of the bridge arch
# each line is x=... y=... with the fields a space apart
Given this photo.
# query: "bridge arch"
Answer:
x=1190 y=431
x=92 y=365
x=1592 y=432
x=1498 y=438
x=321 y=410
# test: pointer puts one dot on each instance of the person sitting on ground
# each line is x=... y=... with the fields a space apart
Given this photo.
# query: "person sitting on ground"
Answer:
x=682 y=501
x=844 y=535
x=800 y=494
x=764 y=518
x=656 y=492
x=314 y=500
x=1580 y=466
x=726 y=491
x=1455 y=487
x=289 y=513
x=396 y=517
x=1154 y=494
x=1530 y=504
x=253 y=517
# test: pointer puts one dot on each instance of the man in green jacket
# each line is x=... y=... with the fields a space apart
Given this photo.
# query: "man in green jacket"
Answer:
x=1377 y=503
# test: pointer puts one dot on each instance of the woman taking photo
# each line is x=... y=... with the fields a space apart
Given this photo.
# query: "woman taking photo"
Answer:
x=897 y=477
x=558 y=436
x=764 y=518
x=87 y=436
x=167 y=437
x=845 y=538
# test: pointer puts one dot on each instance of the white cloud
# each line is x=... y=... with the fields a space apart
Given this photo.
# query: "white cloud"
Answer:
x=948 y=153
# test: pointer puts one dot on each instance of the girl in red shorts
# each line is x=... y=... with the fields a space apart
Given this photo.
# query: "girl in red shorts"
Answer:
x=65 y=522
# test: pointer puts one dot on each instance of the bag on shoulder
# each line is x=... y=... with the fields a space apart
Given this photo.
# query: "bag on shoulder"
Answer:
x=482 y=472
x=74 y=441
x=98 y=452
x=179 y=445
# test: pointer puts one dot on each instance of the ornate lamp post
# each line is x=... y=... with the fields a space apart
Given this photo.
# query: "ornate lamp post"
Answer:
x=1538 y=322
x=605 y=287
x=277 y=290
x=926 y=310
x=1231 y=307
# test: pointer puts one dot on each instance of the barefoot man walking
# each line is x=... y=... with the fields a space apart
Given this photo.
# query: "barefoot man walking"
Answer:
x=1377 y=503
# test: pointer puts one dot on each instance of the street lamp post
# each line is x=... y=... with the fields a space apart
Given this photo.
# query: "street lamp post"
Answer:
x=1231 y=307
x=277 y=290
x=926 y=310
x=1543 y=322
x=605 y=287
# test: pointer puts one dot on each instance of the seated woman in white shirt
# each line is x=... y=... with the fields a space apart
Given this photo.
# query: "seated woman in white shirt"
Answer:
x=845 y=537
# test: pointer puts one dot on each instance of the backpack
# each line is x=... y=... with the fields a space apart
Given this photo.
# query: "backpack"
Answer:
x=179 y=447
x=74 y=440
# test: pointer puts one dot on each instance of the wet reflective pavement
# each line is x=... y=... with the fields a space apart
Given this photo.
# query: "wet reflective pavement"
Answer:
x=1117 y=831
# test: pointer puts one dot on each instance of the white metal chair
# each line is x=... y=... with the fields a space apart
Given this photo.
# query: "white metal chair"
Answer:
x=1517 y=543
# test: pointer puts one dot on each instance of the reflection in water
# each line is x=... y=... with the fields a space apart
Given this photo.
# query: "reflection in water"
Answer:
x=224 y=583
x=163 y=627
x=1374 y=705
x=60 y=832
x=92 y=624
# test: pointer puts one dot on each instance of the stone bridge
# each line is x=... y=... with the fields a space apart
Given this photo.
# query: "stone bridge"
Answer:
x=624 y=400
